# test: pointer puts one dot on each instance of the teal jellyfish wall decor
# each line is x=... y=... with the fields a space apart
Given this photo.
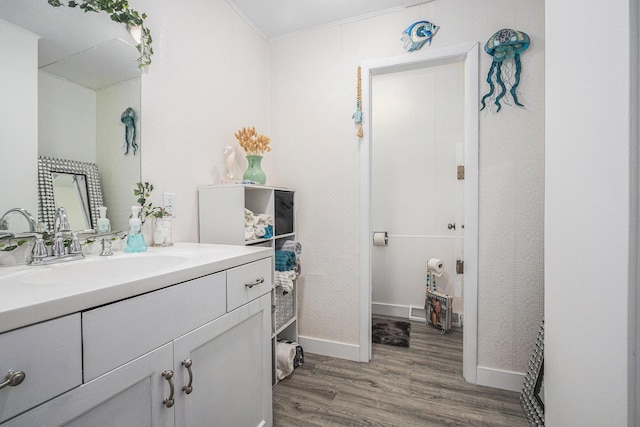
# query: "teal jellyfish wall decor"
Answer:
x=128 y=117
x=505 y=47
x=417 y=34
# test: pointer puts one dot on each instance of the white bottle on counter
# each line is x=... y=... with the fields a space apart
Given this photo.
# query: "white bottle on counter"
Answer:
x=104 y=225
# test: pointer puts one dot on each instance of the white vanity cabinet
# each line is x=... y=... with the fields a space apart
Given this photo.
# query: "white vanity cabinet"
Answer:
x=50 y=356
x=177 y=356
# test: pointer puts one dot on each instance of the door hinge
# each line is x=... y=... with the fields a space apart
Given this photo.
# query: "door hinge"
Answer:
x=460 y=172
x=459 y=266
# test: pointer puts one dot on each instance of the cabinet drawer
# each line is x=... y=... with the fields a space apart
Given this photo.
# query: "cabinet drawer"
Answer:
x=50 y=355
x=118 y=333
x=248 y=282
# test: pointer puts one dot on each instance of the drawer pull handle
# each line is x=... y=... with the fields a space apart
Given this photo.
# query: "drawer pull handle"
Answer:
x=13 y=379
x=187 y=364
x=168 y=402
x=255 y=283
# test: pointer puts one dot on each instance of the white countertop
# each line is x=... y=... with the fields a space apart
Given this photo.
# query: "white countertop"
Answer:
x=32 y=294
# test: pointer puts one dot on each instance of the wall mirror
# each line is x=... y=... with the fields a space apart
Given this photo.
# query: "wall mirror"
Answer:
x=87 y=76
x=74 y=185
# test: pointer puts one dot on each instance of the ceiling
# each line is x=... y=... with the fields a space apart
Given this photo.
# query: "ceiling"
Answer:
x=274 y=18
x=86 y=48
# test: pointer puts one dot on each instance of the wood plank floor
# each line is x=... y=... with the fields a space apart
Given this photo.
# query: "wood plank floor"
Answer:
x=417 y=386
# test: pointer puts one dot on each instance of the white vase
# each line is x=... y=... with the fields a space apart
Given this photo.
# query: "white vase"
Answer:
x=147 y=231
x=162 y=231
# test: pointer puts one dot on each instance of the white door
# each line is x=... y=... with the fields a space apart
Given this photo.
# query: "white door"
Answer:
x=417 y=135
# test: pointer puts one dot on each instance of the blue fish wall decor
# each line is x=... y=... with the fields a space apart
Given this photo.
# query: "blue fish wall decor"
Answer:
x=418 y=34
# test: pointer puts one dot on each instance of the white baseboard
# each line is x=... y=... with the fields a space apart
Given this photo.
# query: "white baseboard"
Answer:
x=497 y=378
x=330 y=348
x=390 y=310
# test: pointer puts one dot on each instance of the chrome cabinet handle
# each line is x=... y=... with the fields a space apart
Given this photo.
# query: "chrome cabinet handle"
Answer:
x=13 y=379
x=255 y=283
x=187 y=364
x=168 y=402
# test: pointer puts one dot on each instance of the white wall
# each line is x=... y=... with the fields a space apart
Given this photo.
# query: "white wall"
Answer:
x=18 y=123
x=313 y=82
x=118 y=172
x=211 y=75
x=66 y=119
x=587 y=215
x=209 y=78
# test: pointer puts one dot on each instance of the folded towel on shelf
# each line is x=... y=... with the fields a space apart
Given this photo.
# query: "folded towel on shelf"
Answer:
x=285 y=355
x=248 y=218
x=262 y=219
x=268 y=232
x=259 y=230
x=249 y=233
x=294 y=246
x=284 y=279
x=284 y=260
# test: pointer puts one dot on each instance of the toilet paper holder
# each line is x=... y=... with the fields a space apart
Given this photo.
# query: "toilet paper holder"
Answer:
x=380 y=238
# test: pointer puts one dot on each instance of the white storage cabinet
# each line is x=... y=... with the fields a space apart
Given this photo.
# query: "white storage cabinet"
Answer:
x=221 y=214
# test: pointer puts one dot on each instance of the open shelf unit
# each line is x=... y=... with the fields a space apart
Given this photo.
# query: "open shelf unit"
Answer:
x=222 y=221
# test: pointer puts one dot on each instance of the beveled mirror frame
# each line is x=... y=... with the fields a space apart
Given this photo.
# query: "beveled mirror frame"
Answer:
x=530 y=400
x=46 y=202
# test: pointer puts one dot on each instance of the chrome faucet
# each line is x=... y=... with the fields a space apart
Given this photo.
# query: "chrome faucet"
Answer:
x=4 y=223
x=59 y=252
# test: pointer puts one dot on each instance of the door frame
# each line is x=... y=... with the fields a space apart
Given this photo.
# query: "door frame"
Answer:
x=468 y=54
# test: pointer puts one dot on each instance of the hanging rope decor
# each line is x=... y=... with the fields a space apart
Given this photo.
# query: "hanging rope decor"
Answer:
x=357 y=116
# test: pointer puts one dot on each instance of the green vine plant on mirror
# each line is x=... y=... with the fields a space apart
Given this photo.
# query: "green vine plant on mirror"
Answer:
x=119 y=11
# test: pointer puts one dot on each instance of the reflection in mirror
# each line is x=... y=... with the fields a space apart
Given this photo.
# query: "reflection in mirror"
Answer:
x=72 y=185
x=70 y=191
x=72 y=85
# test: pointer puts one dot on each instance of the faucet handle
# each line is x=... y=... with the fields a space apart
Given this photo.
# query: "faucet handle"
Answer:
x=106 y=247
x=58 y=245
x=74 y=247
x=39 y=251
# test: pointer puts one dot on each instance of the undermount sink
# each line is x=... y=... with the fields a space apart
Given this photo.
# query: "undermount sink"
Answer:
x=98 y=269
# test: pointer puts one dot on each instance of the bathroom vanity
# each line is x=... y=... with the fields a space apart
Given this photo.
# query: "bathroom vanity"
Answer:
x=175 y=336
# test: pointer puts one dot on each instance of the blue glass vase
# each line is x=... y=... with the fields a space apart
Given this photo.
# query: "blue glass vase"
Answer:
x=254 y=172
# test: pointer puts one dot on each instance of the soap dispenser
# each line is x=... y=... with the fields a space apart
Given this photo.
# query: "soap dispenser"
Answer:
x=104 y=225
x=135 y=239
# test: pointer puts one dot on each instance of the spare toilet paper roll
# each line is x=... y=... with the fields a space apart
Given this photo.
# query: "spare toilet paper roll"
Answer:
x=380 y=238
x=285 y=353
x=436 y=266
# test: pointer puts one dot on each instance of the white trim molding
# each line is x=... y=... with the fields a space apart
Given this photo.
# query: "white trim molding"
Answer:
x=330 y=348
x=497 y=378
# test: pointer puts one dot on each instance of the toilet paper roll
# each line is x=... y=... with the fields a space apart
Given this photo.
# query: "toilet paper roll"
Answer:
x=285 y=354
x=380 y=238
x=436 y=266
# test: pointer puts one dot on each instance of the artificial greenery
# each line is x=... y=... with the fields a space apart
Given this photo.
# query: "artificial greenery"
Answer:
x=143 y=191
x=120 y=12
x=12 y=245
